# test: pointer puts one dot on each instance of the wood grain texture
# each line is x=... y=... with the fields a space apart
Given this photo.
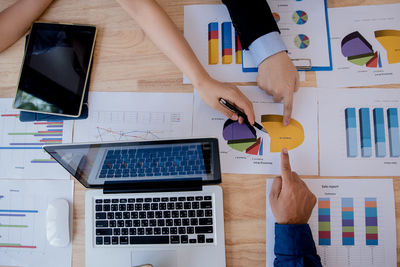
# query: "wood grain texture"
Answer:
x=126 y=60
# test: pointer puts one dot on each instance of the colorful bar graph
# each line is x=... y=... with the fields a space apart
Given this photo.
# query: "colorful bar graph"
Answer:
x=324 y=222
x=213 y=43
x=365 y=133
x=238 y=49
x=226 y=42
x=351 y=132
x=379 y=131
x=371 y=221
x=394 y=137
x=347 y=222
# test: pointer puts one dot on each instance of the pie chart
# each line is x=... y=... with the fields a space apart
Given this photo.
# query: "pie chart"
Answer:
x=276 y=17
x=289 y=137
x=301 y=41
x=299 y=17
x=243 y=137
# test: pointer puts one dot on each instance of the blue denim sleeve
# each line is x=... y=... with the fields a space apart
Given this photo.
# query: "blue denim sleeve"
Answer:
x=266 y=46
x=294 y=246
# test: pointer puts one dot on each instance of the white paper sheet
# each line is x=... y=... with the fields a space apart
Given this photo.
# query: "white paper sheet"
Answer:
x=208 y=122
x=21 y=153
x=336 y=254
x=135 y=117
x=366 y=20
x=197 y=19
x=23 y=207
x=340 y=149
x=303 y=29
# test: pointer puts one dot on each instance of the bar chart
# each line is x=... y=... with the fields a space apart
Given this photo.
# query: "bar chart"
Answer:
x=382 y=136
x=347 y=222
x=371 y=221
x=23 y=206
x=21 y=145
x=220 y=42
x=324 y=222
x=352 y=223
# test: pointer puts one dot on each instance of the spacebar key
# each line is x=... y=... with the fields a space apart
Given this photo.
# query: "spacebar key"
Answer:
x=133 y=240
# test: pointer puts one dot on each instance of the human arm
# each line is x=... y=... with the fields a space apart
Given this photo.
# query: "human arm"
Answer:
x=259 y=33
x=163 y=32
x=292 y=204
x=17 y=19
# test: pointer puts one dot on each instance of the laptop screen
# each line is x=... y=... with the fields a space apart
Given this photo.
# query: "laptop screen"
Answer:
x=95 y=164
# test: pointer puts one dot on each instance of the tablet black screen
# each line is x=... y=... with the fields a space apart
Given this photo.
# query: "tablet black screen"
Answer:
x=55 y=68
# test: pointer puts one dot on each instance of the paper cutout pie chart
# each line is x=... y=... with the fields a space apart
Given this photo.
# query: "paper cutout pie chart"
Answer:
x=290 y=136
x=243 y=137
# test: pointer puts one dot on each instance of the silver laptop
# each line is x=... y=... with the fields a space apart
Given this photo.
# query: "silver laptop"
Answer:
x=153 y=202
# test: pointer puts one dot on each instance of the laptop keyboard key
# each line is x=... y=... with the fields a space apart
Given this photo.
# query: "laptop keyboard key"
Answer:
x=209 y=240
x=205 y=221
x=165 y=230
x=206 y=205
x=184 y=239
x=100 y=215
x=124 y=231
x=173 y=230
x=143 y=240
x=192 y=241
x=190 y=230
x=201 y=238
x=103 y=231
x=149 y=231
x=115 y=240
x=157 y=231
x=107 y=240
x=208 y=213
x=101 y=223
x=123 y=240
x=99 y=207
x=116 y=231
x=203 y=230
x=175 y=239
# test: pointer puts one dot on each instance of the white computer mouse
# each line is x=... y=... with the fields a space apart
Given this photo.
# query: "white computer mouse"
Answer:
x=57 y=223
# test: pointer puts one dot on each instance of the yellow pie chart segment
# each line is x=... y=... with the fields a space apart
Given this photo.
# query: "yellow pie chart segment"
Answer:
x=390 y=40
x=290 y=136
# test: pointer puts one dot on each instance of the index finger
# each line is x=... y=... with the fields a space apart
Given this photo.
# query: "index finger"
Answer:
x=286 y=170
x=287 y=108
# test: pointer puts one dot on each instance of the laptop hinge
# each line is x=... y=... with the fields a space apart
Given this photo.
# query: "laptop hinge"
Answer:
x=118 y=187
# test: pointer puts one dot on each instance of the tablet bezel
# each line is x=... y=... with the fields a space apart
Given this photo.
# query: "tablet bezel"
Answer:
x=87 y=74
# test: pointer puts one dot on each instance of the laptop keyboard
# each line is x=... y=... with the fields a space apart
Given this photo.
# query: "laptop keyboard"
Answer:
x=156 y=220
x=142 y=162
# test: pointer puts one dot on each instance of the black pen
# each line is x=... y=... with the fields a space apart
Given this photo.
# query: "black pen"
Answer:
x=234 y=109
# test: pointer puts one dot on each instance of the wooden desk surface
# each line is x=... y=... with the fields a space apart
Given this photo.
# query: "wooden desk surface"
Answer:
x=126 y=60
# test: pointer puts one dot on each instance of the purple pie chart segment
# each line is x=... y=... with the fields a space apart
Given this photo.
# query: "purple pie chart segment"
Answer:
x=236 y=131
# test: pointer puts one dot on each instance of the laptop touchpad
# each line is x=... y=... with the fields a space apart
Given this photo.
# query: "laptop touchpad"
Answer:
x=157 y=258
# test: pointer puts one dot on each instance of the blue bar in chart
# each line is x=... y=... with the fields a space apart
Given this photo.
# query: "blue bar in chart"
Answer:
x=226 y=42
x=379 y=131
x=394 y=137
x=351 y=132
x=365 y=133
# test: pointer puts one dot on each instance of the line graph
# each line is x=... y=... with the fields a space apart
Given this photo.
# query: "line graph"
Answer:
x=104 y=134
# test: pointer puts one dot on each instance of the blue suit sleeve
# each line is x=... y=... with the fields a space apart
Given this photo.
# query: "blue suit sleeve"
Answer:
x=294 y=246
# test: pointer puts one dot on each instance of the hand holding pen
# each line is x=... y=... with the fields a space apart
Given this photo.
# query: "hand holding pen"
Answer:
x=241 y=114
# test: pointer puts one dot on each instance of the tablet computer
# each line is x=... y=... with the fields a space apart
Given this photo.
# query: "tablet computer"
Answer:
x=55 y=69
